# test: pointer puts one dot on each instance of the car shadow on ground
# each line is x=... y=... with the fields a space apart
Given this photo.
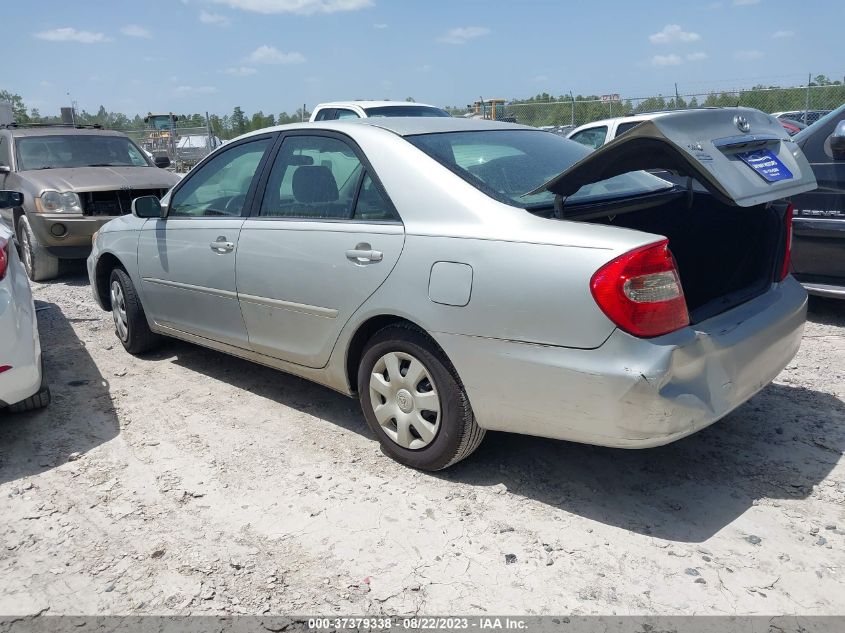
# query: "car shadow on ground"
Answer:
x=80 y=417
x=826 y=311
x=777 y=446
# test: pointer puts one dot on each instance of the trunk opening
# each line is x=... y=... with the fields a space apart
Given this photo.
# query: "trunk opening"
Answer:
x=726 y=255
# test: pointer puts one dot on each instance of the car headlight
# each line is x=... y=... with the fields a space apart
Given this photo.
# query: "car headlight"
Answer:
x=60 y=202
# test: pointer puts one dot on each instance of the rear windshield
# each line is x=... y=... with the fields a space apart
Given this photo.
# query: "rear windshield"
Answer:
x=507 y=164
x=404 y=111
x=80 y=150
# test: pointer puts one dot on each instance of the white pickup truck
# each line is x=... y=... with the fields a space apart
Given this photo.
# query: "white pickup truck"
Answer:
x=368 y=109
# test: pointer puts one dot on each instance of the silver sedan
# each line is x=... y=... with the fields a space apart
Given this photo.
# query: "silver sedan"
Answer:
x=460 y=276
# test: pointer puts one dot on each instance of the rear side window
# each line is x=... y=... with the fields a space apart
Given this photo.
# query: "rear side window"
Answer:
x=371 y=205
x=313 y=177
x=5 y=154
x=343 y=113
x=326 y=114
x=593 y=137
x=624 y=127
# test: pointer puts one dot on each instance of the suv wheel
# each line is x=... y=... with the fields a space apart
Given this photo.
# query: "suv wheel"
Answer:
x=414 y=401
x=40 y=265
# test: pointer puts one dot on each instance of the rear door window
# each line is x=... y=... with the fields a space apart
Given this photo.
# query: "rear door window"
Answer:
x=591 y=137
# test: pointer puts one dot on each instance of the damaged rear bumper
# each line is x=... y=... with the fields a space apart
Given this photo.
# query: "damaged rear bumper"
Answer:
x=630 y=392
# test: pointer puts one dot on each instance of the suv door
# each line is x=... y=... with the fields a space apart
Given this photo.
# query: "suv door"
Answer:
x=818 y=250
x=322 y=239
x=187 y=260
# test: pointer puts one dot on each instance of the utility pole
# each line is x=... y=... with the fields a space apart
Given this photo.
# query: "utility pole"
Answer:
x=573 y=107
x=677 y=96
x=807 y=103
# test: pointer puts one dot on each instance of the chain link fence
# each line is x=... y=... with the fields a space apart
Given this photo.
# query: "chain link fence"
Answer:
x=804 y=103
x=184 y=146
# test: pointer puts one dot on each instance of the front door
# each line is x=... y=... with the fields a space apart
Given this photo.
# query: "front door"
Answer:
x=324 y=239
x=187 y=260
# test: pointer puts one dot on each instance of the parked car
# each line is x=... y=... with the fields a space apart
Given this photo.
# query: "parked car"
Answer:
x=74 y=180
x=819 y=244
x=791 y=126
x=22 y=383
x=807 y=117
x=369 y=109
x=460 y=276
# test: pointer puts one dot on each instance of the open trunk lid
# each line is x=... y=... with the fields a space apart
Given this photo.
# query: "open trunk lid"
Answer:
x=742 y=156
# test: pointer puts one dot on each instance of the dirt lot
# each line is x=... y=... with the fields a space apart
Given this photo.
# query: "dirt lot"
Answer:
x=192 y=482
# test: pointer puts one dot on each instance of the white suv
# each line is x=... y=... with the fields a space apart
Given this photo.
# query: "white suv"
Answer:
x=369 y=109
x=597 y=133
x=22 y=386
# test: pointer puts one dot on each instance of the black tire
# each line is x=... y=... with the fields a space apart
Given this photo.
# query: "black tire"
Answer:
x=458 y=434
x=39 y=400
x=40 y=265
x=139 y=338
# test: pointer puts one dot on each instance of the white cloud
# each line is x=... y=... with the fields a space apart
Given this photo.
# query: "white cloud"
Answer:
x=462 y=34
x=214 y=19
x=742 y=3
x=272 y=55
x=202 y=90
x=241 y=71
x=666 y=60
x=380 y=26
x=133 y=30
x=697 y=56
x=68 y=34
x=748 y=56
x=779 y=35
x=302 y=7
x=673 y=33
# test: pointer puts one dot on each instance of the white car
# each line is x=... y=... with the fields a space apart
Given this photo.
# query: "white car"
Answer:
x=22 y=386
x=597 y=133
x=370 y=109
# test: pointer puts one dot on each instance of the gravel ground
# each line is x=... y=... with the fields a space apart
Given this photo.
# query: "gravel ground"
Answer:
x=192 y=482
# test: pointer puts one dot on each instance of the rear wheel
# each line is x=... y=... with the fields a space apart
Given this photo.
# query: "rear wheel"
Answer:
x=40 y=265
x=414 y=402
x=130 y=322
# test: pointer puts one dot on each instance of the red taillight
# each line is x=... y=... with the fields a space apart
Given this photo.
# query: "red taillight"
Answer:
x=641 y=291
x=787 y=249
x=4 y=257
x=4 y=368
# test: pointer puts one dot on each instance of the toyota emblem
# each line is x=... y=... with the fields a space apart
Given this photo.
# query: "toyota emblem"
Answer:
x=742 y=123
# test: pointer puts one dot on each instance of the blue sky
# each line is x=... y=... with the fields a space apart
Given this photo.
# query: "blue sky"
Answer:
x=275 y=55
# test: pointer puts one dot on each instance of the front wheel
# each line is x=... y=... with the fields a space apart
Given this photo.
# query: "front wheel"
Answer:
x=130 y=322
x=414 y=401
x=40 y=265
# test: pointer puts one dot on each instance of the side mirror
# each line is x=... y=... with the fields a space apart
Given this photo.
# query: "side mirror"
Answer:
x=837 y=142
x=147 y=207
x=5 y=169
x=161 y=161
x=10 y=199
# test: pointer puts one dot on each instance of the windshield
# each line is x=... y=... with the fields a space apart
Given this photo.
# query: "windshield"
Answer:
x=506 y=164
x=78 y=150
x=412 y=110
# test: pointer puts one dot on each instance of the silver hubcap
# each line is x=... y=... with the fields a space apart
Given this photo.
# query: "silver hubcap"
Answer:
x=118 y=310
x=405 y=401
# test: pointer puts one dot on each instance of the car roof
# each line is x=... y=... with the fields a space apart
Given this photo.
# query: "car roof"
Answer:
x=402 y=126
x=59 y=130
x=363 y=103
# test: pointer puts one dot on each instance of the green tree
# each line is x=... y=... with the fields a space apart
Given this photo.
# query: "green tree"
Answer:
x=18 y=106
x=239 y=122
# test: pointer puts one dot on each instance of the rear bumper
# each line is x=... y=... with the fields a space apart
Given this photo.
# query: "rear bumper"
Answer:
x=630 y=392
x=20 y=346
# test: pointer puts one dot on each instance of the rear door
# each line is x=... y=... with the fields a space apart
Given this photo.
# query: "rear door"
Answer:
x=322 y=239
x=818 y=253
x=187 y=260
x=744 y=157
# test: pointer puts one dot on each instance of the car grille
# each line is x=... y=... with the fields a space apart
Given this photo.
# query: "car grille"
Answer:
x=113 y=202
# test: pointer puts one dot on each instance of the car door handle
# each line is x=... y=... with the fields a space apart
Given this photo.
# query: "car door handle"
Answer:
x=221 y=245
x=361 y=255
